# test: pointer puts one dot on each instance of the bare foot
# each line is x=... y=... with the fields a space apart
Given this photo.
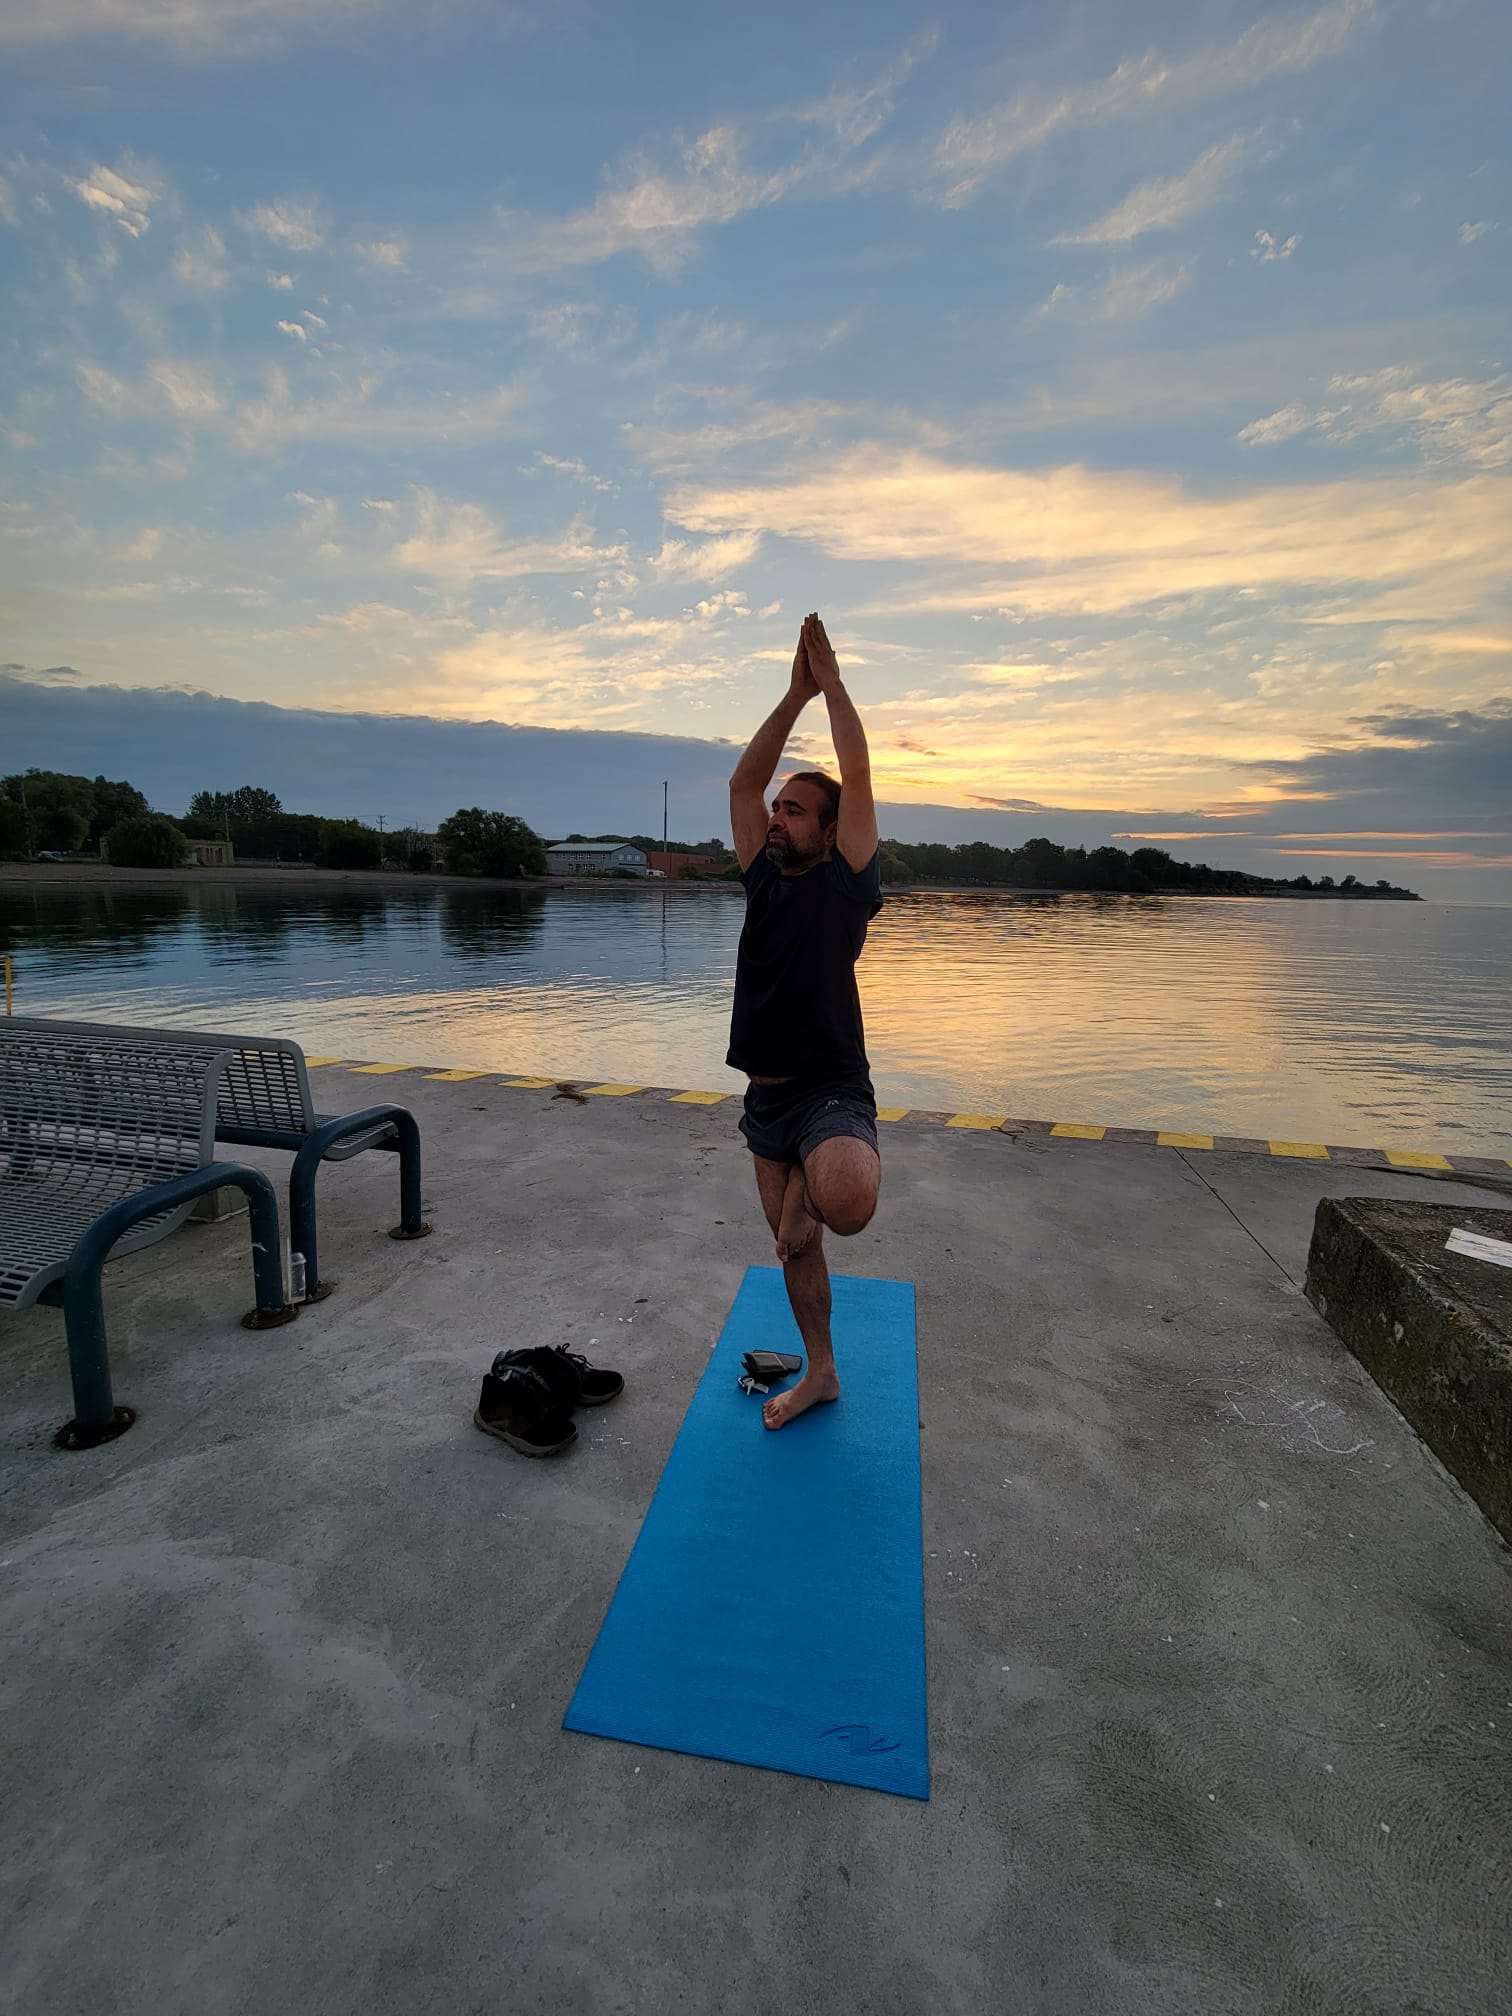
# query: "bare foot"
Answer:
x=814 y=1389
x=795 y=1228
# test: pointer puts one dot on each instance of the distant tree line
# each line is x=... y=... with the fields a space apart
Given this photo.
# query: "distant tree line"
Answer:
x=49 y=811
x=1043 y=864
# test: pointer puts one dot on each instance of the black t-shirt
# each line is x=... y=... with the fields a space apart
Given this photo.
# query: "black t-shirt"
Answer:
x=797 y=1013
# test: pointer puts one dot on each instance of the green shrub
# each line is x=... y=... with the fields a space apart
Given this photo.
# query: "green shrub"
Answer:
x=147 y=841
x=476 y=842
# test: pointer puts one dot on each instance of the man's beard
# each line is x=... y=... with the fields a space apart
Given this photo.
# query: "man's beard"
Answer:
x=782 y=853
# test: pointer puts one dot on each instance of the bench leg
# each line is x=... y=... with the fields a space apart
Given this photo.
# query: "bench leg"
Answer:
x=411 y=1224
x=96 y=1417
x=304 y=1230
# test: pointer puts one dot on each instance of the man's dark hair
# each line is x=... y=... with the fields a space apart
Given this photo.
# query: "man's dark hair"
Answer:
x=828 y=786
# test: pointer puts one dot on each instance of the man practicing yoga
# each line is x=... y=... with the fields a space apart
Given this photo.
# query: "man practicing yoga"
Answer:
x=812 y=884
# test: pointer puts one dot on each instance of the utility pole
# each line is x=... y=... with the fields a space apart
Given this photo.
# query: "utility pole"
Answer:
x=664 y=816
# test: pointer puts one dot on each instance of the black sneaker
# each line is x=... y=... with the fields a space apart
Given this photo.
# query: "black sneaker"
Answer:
x=518 y=1406
x=558 y=1373
x=596 y=1385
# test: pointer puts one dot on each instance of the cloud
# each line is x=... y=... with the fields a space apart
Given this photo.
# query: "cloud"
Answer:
x=281 y=283
x=356 y=415
x=1132 y=291
x=1282 y=45
x=1468 y=233
x=657 y=211
x=681 y=560
x=39 y=675
x=1127 y=294
x=460 y=544
x=293 y=224
x=1077 y=539
x=340 y=762
x=1163 y=202
x=115 y=195
x=187 y=388
x=295 y=329
x=103 y=389
x=383 y=252
x=653 y=211
x=186 y=28
x=200 y=262
x=1450 y=768
x=571 y=465
x=1058 y=296
x=1283 y=425
x=1462 y=420
x=1267 y=250
x=854 y=116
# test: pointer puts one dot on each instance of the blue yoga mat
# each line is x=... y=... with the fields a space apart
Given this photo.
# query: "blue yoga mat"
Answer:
x=772 y=1610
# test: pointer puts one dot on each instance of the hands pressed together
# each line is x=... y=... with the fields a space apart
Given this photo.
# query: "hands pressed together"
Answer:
x=815 y=666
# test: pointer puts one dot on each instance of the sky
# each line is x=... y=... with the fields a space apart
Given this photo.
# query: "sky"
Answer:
x=405 y=405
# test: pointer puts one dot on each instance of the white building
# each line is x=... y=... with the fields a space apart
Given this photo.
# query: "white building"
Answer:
x=594 y=857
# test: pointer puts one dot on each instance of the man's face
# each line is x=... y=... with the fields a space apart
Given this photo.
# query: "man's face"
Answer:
x=796 y=834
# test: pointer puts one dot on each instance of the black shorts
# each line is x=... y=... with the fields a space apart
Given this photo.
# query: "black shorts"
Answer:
x=786 y=1123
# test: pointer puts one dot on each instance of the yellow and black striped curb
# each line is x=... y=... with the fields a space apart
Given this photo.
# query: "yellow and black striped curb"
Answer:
x=985 y=1123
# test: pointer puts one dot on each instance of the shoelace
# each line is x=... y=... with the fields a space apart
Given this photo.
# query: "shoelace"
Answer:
x=527 y=1375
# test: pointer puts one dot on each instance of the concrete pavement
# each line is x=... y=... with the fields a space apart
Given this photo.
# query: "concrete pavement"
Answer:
x=1220 y=1656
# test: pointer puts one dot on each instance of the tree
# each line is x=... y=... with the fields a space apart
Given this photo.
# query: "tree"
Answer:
x=247 y=805
x=1153 y=863
x=148 y=841
x=15 y=830
x=894 y=869
x=347 y=843
x=1110 y=868
x=113 y=803
x=475 y=842
x=411 y=846
x=60 y=807
x=1042 y=862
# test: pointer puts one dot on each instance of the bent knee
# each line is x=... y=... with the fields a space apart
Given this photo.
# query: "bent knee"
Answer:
x=847 y=1214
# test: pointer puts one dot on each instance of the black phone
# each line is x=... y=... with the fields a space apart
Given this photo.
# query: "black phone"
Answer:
x=770 y=1366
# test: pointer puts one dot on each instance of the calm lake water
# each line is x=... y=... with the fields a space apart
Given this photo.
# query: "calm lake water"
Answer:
x=1381 y=1024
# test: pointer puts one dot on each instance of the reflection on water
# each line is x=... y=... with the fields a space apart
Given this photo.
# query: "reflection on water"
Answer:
x=1382 y=1024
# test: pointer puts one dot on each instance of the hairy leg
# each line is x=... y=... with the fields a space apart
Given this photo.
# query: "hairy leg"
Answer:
x=797 y=1224
x=842 y=1178
x=806 y=1276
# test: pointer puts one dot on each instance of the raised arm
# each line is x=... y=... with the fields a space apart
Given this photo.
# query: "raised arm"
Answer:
x=753 y=773
x=857 y=835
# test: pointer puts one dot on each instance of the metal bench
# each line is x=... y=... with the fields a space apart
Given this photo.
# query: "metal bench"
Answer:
x=104 y=1148
x=263 y=1101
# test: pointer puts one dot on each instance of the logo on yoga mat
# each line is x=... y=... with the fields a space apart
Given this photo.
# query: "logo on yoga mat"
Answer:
x=858 y=1738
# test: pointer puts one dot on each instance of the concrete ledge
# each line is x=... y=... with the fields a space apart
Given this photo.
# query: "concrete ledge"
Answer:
x=1433 y=1328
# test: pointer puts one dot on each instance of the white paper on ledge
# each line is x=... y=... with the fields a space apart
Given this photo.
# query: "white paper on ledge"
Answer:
x=1479 y=1246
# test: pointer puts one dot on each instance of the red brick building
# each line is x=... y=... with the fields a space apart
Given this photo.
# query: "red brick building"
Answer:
x=679 y=864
